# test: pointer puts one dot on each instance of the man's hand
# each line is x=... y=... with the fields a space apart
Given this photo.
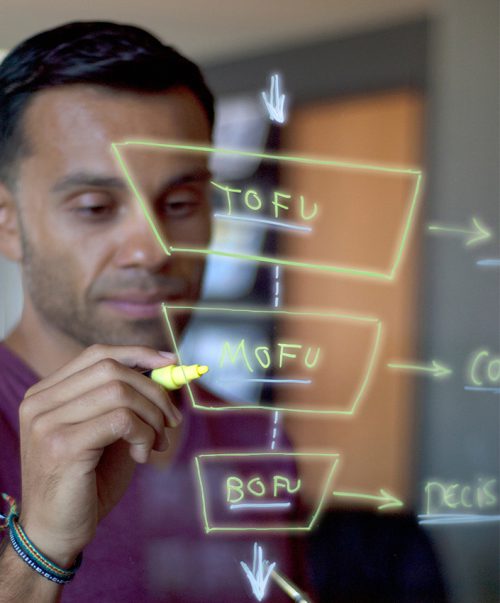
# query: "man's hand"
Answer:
x=83 y=429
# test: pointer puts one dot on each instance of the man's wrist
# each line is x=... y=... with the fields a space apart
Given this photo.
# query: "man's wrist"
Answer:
x=61 y=554
x=19 y=583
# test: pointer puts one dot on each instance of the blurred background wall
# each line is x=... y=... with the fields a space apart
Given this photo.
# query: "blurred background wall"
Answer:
x=460 y=302
x=413 y=82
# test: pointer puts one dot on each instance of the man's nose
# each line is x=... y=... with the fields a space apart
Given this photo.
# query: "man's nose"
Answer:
x=142 y=242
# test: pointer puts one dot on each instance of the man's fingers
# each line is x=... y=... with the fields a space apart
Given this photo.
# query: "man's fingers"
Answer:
x=104 y=372
x=131 y=356
x=102 y=431
x=104 y=399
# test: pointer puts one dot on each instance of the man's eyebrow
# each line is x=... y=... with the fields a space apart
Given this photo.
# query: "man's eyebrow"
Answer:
x=80 y=179
x=200 y=175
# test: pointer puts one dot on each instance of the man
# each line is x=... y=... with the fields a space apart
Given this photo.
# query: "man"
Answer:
x=73 y=399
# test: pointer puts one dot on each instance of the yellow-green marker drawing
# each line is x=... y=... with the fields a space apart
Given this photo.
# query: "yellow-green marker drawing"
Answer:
x=174 y=377
x=479 y=232
x=374 y=324
x=330 y=459
x=435 y=369
x=387 y=274
x=386 y=500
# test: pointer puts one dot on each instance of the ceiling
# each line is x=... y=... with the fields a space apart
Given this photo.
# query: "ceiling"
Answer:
x=215 y=30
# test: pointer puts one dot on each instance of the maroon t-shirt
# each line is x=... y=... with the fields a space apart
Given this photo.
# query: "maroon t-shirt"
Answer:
x=152 y=546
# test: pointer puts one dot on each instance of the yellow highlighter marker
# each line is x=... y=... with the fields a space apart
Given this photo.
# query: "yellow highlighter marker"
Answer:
x=175 y=376
x=289 y=587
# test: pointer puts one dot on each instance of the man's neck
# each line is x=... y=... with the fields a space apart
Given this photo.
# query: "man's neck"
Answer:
x=42 y=348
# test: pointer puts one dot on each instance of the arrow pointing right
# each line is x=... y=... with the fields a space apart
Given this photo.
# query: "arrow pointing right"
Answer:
x=436 y=370
x=478 y=233
x=386 y=500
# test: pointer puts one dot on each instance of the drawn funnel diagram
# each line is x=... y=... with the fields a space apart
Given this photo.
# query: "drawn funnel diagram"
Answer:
x=262 y=485
x=286 y=366
x=293 y=214
x=243 y=491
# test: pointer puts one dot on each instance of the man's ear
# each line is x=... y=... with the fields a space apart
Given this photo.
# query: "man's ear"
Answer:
x=10 y=235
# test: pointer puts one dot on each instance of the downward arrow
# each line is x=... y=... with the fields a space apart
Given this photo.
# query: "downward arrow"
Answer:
x=388 y=501
x=275 y=102
x=260 y=574
x=478 y=233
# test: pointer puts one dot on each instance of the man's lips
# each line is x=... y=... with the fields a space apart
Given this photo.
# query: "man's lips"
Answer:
x=137 y=305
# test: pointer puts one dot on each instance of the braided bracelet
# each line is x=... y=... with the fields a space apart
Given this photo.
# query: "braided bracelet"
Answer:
x=27 y=551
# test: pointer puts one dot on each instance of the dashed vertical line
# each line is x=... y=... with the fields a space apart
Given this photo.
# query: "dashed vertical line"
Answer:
x=275 y=429
x=276 y=305
x=276 y=286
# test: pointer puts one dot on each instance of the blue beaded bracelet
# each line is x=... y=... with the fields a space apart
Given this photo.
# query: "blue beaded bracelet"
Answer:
x=27 y=551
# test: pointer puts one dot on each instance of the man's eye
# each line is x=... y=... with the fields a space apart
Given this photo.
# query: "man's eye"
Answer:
x=182 y=205
x=94 y=210
x=94 y=206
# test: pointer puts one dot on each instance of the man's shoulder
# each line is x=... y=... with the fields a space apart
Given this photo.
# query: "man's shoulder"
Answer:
x=15 y=378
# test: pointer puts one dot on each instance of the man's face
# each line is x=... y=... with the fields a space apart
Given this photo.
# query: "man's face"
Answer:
x=92 y=266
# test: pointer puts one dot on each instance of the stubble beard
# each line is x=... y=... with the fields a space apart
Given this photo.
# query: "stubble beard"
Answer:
x=55 y=298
